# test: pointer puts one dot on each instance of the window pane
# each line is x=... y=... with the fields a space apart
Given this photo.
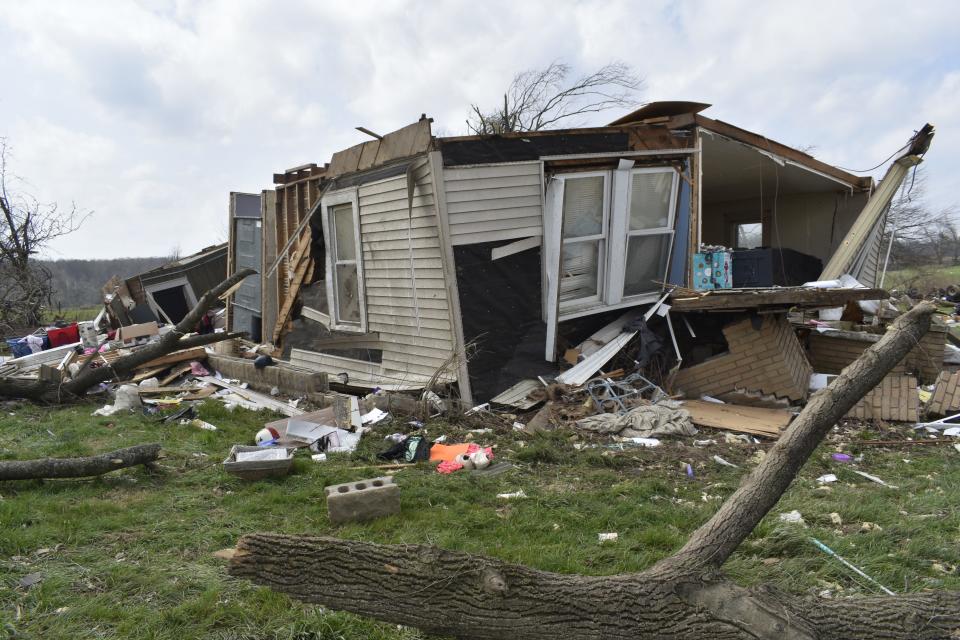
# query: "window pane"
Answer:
x=749 y=235
x=578 y=270
x=646 y=262
x=342 y=217
x=583 y=207
x=348 y=293
x=650 y=200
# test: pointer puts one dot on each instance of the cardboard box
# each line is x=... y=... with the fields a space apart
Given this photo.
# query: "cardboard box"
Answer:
x=712 y=270
x=129 y=334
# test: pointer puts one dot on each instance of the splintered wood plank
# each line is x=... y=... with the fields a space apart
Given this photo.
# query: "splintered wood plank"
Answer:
x=723 y=299
x=731 y=417
x=194 y=353
x=159 y=391
x=175 y=373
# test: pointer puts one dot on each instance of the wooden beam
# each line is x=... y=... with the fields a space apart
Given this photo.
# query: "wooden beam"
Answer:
x=730 y=299
x=450 y=274
x=844 y=256
x=195 y=353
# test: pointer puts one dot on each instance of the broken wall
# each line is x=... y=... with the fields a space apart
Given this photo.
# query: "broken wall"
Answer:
x=895 y=398
x=764 y=355
x=500 y=306
x=831 y=351
x=407 y=304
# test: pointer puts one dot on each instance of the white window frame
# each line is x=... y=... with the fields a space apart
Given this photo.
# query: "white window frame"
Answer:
x=617 y=195
x=156 y=287
x=327 y=202
x=602 y=239
x=621 y=234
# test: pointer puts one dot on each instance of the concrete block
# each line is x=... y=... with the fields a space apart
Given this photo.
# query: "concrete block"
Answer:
x=362 y=500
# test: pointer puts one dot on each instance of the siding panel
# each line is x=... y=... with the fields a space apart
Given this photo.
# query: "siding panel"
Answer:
x=387 y=233
x=494 y=202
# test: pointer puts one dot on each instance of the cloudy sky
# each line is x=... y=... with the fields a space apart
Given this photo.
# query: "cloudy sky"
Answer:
x=149 y=113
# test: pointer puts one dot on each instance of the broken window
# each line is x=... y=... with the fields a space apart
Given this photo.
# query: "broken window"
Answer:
x=344 y=267
x=748 y=235
x=615 y=235
x=649 y=230
x=584 y=233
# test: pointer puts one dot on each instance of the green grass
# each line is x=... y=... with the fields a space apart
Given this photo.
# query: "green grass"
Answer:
x=924 y=279
x=72 y=314
x=130 y=555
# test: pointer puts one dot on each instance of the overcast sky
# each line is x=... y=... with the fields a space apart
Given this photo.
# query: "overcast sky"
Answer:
x=150 y=113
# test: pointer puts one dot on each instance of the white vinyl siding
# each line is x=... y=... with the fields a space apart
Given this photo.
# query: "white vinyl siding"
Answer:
x=494 y=202
x=405 y=291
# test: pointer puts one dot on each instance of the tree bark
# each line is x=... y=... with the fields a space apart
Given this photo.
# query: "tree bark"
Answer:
x=684 y=596
x=78 y=467
x=86 y=378
x=712 y=543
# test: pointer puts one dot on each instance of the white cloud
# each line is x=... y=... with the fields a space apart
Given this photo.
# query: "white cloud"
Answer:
x=151 y=113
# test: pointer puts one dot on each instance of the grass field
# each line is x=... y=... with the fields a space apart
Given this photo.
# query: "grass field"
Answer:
x=129 y=555
x=924 y=279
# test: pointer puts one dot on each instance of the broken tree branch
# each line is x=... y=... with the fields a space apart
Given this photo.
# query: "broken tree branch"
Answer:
x=713 y=542
x=78 y=467
x=684 y=596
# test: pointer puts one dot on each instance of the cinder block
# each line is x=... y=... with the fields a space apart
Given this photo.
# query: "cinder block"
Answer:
x=362 y=500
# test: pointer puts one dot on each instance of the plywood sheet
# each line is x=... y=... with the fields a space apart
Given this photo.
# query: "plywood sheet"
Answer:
x=731 y=417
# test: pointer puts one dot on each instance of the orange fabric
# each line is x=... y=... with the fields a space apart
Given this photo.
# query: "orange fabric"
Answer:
x=447 y=451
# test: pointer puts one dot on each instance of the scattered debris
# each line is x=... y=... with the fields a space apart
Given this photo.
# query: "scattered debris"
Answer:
x=850 y=566
x=257 y=463
x=724 y=463
x=645 y=421
x=793 y=517
x=604 y=538
x=874 y=479
x=827 y=478
x=516 y=495
x=30 y=579
x=754 y=420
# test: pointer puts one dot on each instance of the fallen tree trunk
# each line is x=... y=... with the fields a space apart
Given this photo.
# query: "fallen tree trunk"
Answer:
x=683 y=596
x=86 y=378
x=79 y=467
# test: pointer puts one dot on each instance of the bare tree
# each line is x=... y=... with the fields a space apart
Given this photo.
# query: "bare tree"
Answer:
x=541 y=98
x=922 y=236
x=27 y=227
x=950 y=235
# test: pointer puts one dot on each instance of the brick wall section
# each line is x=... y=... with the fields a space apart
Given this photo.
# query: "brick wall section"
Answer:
x=946 y=395
x=769 y=360
x=895 y=399
x=830 y=352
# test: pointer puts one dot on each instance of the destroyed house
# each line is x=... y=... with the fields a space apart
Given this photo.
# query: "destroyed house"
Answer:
x=411 y=260
x=168 y=292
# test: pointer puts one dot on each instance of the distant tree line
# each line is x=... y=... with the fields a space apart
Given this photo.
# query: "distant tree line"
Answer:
x=922 y=236
x=77 y=283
